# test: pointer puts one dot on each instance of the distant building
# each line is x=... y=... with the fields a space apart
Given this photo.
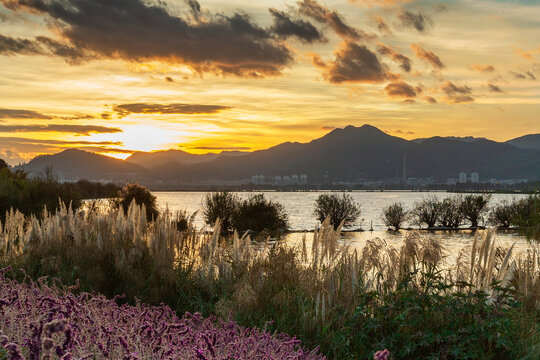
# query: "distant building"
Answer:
x=303 y=179
x=278 y=180
x=294 y=179
x=451 y=181
x=286 y=180
x=462 y=177
x=475 y=178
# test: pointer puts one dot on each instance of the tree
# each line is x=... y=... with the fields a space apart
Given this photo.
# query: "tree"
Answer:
x=222 y=206
x=502 y=214
x=473 y=207
x=450 y=215
x=394 y=215
x=337 y=209
x=141 y=195
x=427 y=211
x=3 y=164
x=260 y=214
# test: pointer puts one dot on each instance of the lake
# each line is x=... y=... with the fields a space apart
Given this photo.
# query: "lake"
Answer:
x=300 y=205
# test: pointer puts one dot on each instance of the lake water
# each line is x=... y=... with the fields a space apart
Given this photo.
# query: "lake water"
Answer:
x=300 y=205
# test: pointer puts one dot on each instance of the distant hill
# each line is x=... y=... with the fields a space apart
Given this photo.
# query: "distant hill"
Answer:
x=79 y=164
x=531 y=142
x=349 y=155
x=462 y=138
x=165 y=157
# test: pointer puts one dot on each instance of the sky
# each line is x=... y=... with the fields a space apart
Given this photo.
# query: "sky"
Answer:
x=119 y=76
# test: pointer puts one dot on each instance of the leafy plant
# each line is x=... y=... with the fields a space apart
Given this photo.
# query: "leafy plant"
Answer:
x=394 y=216
x=338 y=209
x=222 y=206
x=450 y=215
x=141 y=196
x=427 y=211
x=474 y=207
x=260 y=214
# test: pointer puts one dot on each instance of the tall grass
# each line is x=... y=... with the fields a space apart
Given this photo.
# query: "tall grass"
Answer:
x=313 y=290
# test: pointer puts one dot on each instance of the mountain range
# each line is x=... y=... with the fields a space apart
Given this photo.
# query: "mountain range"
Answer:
x=350 y=154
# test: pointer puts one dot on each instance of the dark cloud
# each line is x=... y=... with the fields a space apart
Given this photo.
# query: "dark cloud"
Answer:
x=483 y=68
x=400 y=89
x=494 y=88
x=169 y=79
x=40 y=45
x=73 y=129
x=194 y=7
x=404 y=132
x=285 y=26
x=427 y=56
x=523 y=75
x=18 y=140
x=186 y=109
x=353 y=63
x=430 y=99
x=229 y=148
x=419 y=21
x=457 y=94
x=22 y=114
x=328 y=128
x=404 y=61
x=322 y=14
x=382 y=26
x=106 y=150
x=139 y=30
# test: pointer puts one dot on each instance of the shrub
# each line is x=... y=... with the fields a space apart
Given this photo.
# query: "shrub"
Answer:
x=503 y=214
x=260 y=214
x=527 y=216
x=337 y=209
x=427 y=211
x=394 y=215
x=185 y=221
x=3 y=164
x=428 y=322
x=141 y=196
x=222 y=206
x=450 y=215
x=473 y=208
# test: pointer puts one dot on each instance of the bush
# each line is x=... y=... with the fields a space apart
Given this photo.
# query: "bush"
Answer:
x=503 y=214
x=450 y=215
x=260 y=214
x=3 y=164
x=427 y=211
x=185 y=221
x=527 y=216
x=473 y=208
x=394 y=215
x=337 y=209
x=141 y=196
x=222 y=206
x=32 y=196
x=429 y=322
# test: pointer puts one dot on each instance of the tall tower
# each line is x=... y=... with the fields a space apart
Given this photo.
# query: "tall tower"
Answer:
x=404 y=168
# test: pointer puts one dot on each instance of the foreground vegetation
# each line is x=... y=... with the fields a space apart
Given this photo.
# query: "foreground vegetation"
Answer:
x=484 y=304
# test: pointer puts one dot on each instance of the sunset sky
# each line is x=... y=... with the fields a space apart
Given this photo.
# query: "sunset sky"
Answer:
x=118 y=76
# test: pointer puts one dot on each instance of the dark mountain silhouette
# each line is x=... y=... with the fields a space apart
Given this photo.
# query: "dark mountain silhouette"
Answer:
x=79 y=164
x=531 y=142
x=350 y=154
x=166 y=157
x=366 y=152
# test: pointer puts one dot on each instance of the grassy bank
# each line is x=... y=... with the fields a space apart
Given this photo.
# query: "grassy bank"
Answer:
x=351 y=303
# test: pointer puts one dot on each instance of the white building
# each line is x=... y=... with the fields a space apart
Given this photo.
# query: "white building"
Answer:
x=294 y=179
x=462 y=177
x=303 y=179
x=475 y=178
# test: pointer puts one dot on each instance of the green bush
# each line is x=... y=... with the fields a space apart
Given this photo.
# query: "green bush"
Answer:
x=474 y=207
x=260 y=215
x=222 y=206
x=141 y=196
x=337 y=209
x=450 y=215
x=427 y=320
x=394 y=216
x=427 y=211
